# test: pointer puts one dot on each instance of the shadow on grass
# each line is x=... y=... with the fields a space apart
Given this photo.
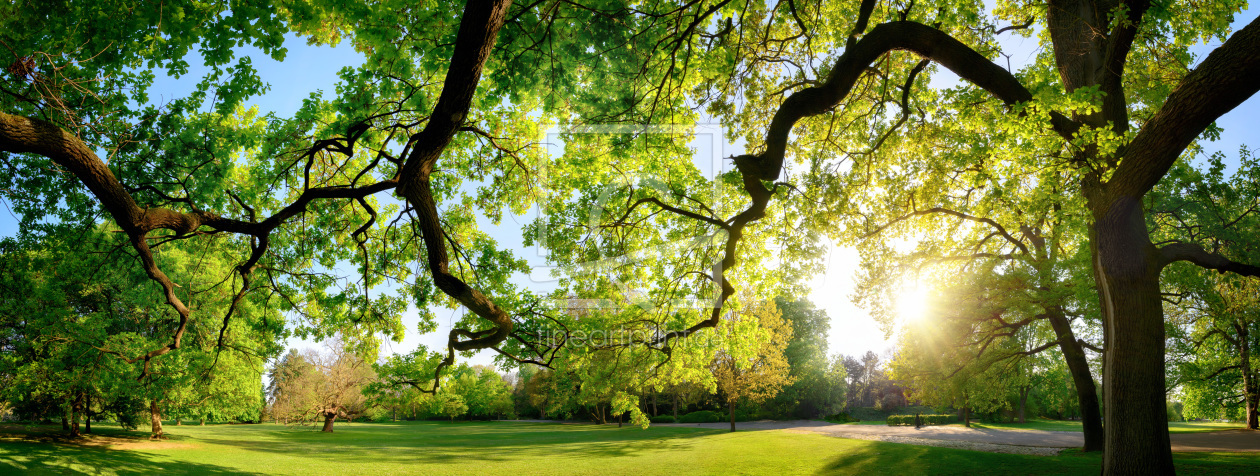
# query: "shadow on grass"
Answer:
x=895 y=458
x=32 y=457
x=441 y=442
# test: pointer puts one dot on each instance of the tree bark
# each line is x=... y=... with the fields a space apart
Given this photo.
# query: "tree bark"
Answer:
x=75 y=410
x=155 y=421
x=329 y=418
x=675 y=406
x=731 y=407
x=1023 y=403
x=1250 y=392
x=1126 y=269
x=1082 y=379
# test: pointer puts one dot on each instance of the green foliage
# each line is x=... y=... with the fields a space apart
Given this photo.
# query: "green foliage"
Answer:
x=842 y=417
x=663 y=419
x=929 y=419
x=702 y=416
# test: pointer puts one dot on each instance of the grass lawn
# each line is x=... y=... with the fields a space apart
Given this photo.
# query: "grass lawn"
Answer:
x=1060 y=425
x=521 y=448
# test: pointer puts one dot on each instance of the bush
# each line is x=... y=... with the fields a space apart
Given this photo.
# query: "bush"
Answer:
x=702 y=416
x=895 y=420
x=663 y=419
x=842 y=417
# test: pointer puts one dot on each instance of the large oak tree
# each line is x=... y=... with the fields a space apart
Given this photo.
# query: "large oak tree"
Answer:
x=448 y=93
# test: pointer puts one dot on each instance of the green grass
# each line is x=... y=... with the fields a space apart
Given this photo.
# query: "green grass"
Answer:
x=1063 y=425
x=523 y=448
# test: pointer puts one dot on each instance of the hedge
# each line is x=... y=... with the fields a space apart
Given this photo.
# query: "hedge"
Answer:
x=663 y=419
x=895 y=420
x=702 y=416
x=842 y=417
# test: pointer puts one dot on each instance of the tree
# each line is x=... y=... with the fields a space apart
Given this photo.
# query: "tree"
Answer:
x=321 y=385
x=1218 y=376
x=1214 y=322
x=792 y=69
x=818 y=387
x=753 y=372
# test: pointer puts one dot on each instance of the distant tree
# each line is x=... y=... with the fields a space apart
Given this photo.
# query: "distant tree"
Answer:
x=757 y=372
x=321 y=385
x=819 y=387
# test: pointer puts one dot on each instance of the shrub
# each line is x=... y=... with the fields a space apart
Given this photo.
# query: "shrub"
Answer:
x=842 y=417
x=663 y=419
x=702 y=416
x=937 y=419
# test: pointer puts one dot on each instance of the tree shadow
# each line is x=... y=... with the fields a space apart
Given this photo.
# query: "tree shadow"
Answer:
x=34 y=457
x=464 y=441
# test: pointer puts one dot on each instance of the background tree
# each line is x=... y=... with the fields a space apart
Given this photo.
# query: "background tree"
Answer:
x=754 y=372
x=322 y=385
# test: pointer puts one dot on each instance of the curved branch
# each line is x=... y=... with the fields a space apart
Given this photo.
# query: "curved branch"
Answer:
x=1196 y=254
x=920 y=39
x=1223 y=81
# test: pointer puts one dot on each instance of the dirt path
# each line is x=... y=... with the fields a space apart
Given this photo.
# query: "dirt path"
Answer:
x=1228 y=440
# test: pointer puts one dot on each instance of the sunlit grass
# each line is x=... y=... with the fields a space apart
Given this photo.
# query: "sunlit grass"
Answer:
x=523 y=448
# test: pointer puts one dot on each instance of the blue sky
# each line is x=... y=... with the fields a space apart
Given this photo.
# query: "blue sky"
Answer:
x=307 y=69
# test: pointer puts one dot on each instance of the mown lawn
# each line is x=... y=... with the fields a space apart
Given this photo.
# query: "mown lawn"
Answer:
x=520 y=448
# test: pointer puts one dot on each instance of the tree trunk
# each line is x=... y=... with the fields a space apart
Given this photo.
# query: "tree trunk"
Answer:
x=155 y=421
x=654 y=410
x=75 y=409
x=203 y=421
x=675 y=407
x=65 y=423
x=1082 y=379
x=619 y=419
x=1023 y=402
x=1127 y=269
x=731 y=406
x=967 y=416
x=179 y=421
x=329 y=418
x=1250 y=391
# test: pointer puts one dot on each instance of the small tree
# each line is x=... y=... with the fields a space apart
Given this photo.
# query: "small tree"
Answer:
x=752 y=365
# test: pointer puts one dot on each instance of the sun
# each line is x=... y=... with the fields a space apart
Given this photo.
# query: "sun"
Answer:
x=912 y=303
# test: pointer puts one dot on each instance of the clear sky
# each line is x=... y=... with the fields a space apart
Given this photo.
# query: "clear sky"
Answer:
x=307 y=69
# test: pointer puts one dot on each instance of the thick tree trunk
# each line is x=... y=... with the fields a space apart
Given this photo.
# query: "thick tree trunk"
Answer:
x=329 y=418
x=1127 y=269
x=731 y=406
x=967 y=416
x=179 y=421
x=65 y=423
x=155 y=421
x=1082 y=379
